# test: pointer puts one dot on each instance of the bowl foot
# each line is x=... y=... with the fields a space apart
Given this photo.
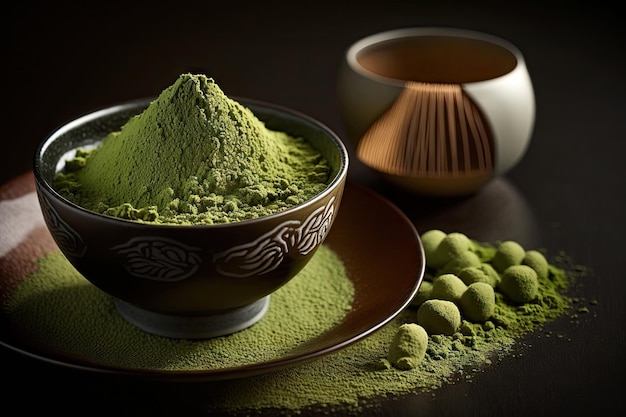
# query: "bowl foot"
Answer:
x=193 y=327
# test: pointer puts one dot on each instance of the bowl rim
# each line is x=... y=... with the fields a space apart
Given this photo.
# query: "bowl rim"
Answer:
x=141 y=104
x=354 y=50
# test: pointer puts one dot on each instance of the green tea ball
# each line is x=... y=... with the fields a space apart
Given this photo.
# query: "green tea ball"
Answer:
x=430 y=241
x=494 y=276
x=472 y=274
x=439 y=317
x=519 y=283
x=423 y=293
x=450 y=246
x=484 y=252
x=538 y=262
x=508 y=253
x=408 y=347
x=453 y=244
x=478 y=302
x=448 y=287
x=460 y=261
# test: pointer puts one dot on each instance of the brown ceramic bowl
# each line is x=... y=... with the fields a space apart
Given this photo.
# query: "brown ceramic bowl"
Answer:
x=192 y=281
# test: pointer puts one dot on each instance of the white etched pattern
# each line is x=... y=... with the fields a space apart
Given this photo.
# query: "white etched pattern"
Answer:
x=66 y=238
x=159 y=259
x=268 y=251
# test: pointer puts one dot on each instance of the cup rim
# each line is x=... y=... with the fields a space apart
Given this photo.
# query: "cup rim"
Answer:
x=340 y=177
x=358 y=46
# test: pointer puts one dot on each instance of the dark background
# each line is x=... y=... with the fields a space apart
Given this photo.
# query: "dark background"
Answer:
x=567 y=195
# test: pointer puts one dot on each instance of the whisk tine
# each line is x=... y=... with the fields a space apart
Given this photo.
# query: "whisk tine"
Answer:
x=402 y=155
x=461 y=107
x=425 y=144
x=474 y=123
x=449 y=98
x=412 y=152
x=484 y=147
x=430 y=130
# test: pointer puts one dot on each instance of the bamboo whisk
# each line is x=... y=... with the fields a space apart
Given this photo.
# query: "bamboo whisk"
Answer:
x=431 y=130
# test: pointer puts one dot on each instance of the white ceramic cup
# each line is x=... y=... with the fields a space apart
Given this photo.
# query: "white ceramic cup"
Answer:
x=491 y=73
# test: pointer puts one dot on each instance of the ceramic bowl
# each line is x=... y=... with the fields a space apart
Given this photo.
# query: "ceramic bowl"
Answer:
x=191 y=281
x=436 y=110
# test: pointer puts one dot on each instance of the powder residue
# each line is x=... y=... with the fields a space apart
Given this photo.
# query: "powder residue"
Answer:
x=311 y=303
x=194 y=156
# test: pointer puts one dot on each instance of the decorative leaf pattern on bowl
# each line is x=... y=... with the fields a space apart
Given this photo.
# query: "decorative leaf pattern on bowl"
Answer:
x=315 y=228
x=159 y=259
x=267 y=252
x=66 y=238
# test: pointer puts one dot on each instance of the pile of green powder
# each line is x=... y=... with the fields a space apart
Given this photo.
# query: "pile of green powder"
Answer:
x=194 y=156
x=346 y=381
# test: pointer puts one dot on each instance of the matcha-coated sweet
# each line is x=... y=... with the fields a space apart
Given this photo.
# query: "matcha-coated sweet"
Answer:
x=478 y=302
x=492 y=274
x=448 y=287
x=459 y=262
x=439 y=317
x=536 y=261
x=472 y=274
x=408 y=346
x=508 y=253
x=451 y=246
x=519 y=283
x=430 y=241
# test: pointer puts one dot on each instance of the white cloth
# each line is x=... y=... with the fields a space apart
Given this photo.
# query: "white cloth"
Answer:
x=18 y=217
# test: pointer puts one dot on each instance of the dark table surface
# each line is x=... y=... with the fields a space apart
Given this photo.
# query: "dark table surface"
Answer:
x=567 y=194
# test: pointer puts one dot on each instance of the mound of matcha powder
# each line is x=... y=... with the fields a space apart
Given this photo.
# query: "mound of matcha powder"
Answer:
x=194 y=156
x=345 y=382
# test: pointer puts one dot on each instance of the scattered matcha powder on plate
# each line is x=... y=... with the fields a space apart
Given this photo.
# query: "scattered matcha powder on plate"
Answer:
x=93 y=330
x=346 y=381
x=359 y=376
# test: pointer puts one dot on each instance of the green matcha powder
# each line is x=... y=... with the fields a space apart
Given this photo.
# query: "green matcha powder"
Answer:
x=312 y=303
x=194 y=156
